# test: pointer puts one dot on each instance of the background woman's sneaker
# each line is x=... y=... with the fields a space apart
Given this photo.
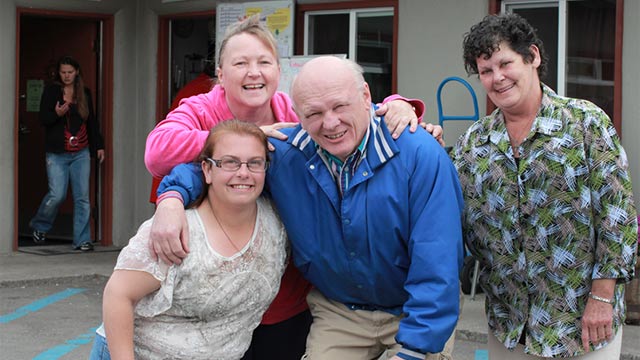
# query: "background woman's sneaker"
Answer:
x=39 y=237
x=86 y=247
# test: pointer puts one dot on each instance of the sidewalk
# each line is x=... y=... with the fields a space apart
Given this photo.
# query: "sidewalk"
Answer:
x=29 y=270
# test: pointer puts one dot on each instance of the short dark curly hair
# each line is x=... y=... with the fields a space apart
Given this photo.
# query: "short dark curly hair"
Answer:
x=484 y=38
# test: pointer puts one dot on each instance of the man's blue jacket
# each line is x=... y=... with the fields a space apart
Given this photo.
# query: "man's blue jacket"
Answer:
x=392 y=241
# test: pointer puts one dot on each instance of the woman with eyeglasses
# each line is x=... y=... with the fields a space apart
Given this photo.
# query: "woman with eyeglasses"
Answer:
x=208 y=306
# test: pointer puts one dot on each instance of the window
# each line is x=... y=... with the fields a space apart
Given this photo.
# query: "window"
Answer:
x=580 y=38
x=364 y=35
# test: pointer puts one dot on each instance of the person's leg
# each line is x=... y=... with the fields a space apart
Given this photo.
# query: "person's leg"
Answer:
x=338 y=332
x=497 y=351
x=387 y=331
x=285 y=340
x=100 y=350
x=610 y=352
x=80 y=171
x=58 y=179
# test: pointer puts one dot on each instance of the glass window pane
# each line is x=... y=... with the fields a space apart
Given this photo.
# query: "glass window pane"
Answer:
x=545 y=21
x=328 y=34
x=193 y=42
x=374 y=49
x=591 y=51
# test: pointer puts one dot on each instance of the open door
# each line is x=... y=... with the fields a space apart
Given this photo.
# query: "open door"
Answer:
x=43 y=39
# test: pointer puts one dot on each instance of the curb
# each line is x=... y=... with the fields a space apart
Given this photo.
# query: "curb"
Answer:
x=50 y=280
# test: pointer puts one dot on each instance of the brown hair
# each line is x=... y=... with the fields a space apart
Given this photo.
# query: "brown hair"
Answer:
x=252 y=26
x=78 y=85
x=235 y=127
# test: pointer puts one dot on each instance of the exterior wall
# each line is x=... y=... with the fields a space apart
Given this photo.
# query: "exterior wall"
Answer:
x=7 y=123
x=430 y=50
x=133 y=116
x=631 y=91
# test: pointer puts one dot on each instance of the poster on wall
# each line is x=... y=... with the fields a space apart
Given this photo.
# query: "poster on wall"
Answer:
x=276 y=15
x=34 y=93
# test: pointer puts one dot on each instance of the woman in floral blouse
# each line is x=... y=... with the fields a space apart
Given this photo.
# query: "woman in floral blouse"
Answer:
x=549 y=206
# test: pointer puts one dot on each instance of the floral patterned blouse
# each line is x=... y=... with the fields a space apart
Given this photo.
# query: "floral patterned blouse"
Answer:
x=546 y=225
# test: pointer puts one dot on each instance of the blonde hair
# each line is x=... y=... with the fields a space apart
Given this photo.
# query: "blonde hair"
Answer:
x=252 y=26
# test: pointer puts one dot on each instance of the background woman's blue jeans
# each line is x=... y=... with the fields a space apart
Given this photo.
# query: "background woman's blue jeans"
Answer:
x=100 y=350
x=62 y=168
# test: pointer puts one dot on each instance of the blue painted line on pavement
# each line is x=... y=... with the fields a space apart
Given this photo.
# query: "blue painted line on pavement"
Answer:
x=61 y=350
x=39 y=304
x=482 y=355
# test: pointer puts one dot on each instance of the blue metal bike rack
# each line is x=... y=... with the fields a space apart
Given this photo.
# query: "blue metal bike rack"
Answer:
x=441 y=117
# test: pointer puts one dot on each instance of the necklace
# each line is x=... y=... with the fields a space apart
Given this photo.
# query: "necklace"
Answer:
x=223 y=230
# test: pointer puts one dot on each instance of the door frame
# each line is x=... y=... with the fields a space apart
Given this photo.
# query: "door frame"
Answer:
x=106 y=101
x=496 y=5
x=162 y=57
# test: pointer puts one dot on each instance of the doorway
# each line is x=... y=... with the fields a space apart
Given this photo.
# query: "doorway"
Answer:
x=43 y=39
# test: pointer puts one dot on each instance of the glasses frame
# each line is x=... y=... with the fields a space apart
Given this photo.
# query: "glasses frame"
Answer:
x=218 y=164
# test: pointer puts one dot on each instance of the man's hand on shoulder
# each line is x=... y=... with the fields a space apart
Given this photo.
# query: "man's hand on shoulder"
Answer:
x=169 y=234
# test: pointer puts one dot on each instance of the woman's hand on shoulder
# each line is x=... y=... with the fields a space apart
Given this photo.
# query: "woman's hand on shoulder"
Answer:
x=273 y=131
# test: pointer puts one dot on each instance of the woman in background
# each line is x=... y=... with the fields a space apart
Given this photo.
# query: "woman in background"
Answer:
x=71 y=134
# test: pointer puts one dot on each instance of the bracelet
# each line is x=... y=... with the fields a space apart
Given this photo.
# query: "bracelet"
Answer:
x=601 y=299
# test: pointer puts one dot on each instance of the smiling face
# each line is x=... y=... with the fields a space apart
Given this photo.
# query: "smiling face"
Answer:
x=240 y=187
x=249 y=71
x=333 y=109
x=67 y=74
x=511 y=83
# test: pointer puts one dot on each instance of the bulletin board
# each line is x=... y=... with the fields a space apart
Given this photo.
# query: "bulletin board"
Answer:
x=276 y=15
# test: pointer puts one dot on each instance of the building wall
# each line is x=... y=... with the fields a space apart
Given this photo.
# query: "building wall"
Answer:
x=430 y=50
x=7 y=123
x=132 y=114
x=425 y=58
x=631 y=92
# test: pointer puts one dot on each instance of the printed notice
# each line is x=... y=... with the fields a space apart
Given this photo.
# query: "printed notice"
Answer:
x=34 y=93
x=276 y=15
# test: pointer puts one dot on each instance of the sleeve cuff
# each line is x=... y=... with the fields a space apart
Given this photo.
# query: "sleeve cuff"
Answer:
x=407 y=354
x=170 y=193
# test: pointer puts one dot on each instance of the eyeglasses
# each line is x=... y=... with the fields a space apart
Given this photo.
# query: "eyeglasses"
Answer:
x=227 y=163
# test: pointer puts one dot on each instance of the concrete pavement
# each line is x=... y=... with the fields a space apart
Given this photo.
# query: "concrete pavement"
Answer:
x=22 y=269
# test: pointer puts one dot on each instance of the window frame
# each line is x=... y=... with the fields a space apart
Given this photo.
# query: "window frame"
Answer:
x=302 y=11
x=497 y=6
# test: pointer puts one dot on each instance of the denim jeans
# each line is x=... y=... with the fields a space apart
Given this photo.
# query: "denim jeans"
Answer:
x=62 y=168
x=100 y=350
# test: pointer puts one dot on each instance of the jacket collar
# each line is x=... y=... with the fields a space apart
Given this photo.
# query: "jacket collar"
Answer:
x=380 y=148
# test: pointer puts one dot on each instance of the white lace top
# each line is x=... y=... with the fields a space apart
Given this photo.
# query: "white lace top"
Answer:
x=208 y=307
